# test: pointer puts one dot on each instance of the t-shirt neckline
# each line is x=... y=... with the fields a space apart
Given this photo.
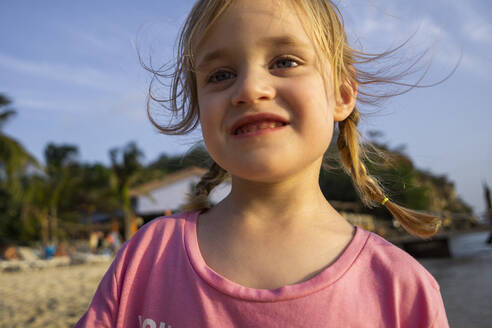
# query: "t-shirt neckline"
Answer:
x=323 y=279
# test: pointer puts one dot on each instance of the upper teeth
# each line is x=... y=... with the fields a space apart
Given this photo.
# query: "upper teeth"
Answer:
x=251 y=127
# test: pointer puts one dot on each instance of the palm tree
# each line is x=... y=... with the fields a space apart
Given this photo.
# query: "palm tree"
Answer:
x=58 y=159
x=14 y=164
x=14 y=159
x=125 y=163
x=36 y=208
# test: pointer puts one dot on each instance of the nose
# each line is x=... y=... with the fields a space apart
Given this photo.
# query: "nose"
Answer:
x=253 y=86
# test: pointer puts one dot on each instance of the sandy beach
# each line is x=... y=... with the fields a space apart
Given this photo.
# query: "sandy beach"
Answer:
x=59 y=296
x=53 y=297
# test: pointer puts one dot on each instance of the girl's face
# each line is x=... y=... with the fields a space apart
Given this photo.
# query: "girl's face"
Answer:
x=258 y=59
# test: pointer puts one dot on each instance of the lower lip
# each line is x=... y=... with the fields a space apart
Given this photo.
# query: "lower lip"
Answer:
x=258 y=132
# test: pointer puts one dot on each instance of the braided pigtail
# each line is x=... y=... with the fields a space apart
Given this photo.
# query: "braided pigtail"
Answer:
x=416 y=223
x=198 y=199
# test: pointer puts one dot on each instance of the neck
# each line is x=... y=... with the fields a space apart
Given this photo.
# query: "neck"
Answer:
x=287 y=205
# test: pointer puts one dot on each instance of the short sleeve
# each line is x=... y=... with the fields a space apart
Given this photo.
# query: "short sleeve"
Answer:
x=104 y=306
x=440 y=319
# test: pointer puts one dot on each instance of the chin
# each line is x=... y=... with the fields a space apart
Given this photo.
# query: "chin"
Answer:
x=263 y=172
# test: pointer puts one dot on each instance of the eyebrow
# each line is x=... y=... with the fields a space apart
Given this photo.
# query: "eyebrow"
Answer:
x=275 y=41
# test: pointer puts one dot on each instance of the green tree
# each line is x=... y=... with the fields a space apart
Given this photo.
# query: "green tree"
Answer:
x=125 y=164
x=15 y=162
x=90 y=190
x=402 y=181
x=14 y=159
x=166 y=164
x=35 y=210
x=197 y=156
x=58 y=160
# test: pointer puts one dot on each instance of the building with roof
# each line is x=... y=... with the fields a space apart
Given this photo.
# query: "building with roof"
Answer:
x=167 y=195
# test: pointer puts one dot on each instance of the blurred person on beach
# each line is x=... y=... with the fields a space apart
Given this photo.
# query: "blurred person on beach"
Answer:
x=95 y=241
x=112 y=242
x=268 y=82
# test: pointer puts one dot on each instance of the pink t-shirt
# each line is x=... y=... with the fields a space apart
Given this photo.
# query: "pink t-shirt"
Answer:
x=160 y=280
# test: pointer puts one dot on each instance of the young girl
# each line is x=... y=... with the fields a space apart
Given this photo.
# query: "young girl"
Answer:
x=267 y=80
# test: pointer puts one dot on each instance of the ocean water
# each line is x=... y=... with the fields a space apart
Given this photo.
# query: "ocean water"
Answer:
x=465 y=280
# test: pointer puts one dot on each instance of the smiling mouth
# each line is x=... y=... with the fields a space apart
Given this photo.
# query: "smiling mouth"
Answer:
x=251 y=128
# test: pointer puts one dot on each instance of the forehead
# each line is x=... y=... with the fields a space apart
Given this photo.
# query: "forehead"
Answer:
x=265 y=23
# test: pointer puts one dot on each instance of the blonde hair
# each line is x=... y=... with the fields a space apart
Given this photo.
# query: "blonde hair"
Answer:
x=323 y=20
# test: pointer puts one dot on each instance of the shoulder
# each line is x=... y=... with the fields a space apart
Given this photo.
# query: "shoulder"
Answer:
x=153 y=238
x=393 y=263
x=406 y=291
x=162 y=226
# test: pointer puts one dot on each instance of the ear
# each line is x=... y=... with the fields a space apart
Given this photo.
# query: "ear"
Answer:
x=345 y=104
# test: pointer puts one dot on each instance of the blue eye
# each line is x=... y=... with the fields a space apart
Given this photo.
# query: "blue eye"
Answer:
x=286 y=63
x=220 y=76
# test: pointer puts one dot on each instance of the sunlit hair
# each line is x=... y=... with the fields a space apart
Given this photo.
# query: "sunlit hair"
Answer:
x=324 y=24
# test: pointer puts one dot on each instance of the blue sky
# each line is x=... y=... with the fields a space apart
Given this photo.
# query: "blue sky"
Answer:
x=72 y=70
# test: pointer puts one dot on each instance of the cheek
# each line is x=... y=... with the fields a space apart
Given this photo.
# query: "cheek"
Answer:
x=211 y=124
x=206 y=109
x=311 y=105
x=314 y=112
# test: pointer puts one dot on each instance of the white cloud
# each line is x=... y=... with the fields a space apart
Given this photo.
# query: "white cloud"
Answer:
x=93 y=41
x=473 y=24
x=128 y=104
x=50 y=105
x=475 y=65
x=81 y=75
x=131 y=105
x=479 y=33
x=429 y=32
x=102 y=37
